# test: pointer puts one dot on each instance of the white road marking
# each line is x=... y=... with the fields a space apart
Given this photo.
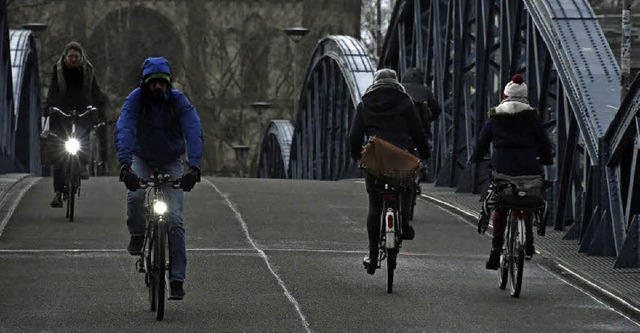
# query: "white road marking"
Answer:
x=288 y=294
x=618 y=299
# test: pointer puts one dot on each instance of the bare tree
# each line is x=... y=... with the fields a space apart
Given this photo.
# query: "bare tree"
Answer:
x=374 y=21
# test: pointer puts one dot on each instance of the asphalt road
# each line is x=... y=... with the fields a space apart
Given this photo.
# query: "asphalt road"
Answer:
x=271 y=256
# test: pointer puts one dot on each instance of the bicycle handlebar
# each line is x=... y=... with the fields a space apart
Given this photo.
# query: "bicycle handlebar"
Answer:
x=157 y=181
x=88 y=110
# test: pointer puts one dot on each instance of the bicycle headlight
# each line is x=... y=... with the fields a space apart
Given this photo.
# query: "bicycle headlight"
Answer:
x=72 y=146
x=160 y=207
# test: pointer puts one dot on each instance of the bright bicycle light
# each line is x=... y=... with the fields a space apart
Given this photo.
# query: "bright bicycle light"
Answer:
x=159 y=207
x=72 y=145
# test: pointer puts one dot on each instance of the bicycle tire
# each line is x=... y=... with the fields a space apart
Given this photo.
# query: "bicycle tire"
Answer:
x=391 y=266
x=504 y=256
x=71 y=203
x=516 y=265
x=149 y=272
x=160 y=266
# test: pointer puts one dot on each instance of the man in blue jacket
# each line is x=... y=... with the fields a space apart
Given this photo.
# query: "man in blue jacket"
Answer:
x=155 y=123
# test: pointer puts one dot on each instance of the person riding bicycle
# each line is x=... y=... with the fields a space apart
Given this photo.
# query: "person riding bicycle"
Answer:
x=520 y=147
x=386 y=111
x=155 y=128
x=73 y=87
x=422 y=96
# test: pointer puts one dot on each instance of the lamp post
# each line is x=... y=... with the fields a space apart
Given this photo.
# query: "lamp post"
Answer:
x=260 y=107
x=295 y=35
x=241 y=155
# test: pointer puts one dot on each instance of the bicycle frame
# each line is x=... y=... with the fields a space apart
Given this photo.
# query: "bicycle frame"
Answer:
x=155 y=260
x=72 y=149
x=391 y=231
x=512 y=257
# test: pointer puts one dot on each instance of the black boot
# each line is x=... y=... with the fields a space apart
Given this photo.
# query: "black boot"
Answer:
x=529 y=249
x=371 y=262
x=494 y=256
x=407 y=232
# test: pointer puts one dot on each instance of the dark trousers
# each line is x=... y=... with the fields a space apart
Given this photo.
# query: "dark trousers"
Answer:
x=374 y=190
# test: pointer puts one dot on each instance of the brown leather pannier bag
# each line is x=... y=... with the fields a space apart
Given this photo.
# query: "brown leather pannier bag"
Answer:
x=389 y=163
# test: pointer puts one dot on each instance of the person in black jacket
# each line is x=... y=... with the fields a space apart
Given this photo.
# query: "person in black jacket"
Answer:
x=73 y=87
x=520 y=146
x=422 y=96
x=387 y=112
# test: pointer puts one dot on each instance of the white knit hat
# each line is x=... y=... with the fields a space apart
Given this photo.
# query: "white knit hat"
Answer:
x=516 y=88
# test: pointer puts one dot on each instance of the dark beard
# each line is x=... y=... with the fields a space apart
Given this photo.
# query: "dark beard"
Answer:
x=157 y=94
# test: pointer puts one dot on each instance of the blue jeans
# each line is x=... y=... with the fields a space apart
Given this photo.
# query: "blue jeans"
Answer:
x=175 y=202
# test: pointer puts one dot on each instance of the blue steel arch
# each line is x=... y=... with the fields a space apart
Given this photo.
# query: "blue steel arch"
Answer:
x=470 y=49
x=7 y=117
x=275 y=150
x=623 y=140
x=26 y=92
x=339 y=72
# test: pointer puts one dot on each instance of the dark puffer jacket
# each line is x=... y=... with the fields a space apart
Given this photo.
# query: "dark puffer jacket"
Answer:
x=518 y=140
x=388 y=113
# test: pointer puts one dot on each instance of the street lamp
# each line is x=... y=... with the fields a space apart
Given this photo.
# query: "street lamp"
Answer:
x=260 y=107
x=241 y=155
x=295 y=35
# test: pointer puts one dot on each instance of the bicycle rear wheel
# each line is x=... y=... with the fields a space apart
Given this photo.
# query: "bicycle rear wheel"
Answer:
x=516 y=265
x=159 y=264
x=392 y=255
x=505 y=257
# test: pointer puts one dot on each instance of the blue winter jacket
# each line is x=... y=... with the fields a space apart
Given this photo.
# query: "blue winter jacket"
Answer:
x=160 y=131
x=520 y=143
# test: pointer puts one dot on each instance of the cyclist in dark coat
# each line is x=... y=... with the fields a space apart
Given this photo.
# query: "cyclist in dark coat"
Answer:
x=520 y=147
x=387 y=112
x=73 y=87
x=157 y=126
x=422 y=96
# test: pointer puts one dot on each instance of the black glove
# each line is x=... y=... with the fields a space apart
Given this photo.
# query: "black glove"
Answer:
x=190 y=178
x=46 y=112
x=131 y=181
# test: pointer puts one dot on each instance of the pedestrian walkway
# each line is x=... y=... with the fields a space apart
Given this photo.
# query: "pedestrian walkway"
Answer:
x=12 y=188
x=618 y=284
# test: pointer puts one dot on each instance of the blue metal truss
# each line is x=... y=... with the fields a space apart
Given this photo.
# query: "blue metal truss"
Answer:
x=339 y=71
x=26 y=93
x=470 y=50
x=7 y=116
x=275 y=150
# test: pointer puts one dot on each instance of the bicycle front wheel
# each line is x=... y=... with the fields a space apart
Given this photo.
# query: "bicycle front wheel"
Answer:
x=516 y=265
x=159 y=264
x=149 y=275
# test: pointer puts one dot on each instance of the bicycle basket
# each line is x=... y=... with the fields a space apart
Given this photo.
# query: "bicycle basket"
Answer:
x=524 y=191
x=399 y=178
x=389 y=163
x=51 y=148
